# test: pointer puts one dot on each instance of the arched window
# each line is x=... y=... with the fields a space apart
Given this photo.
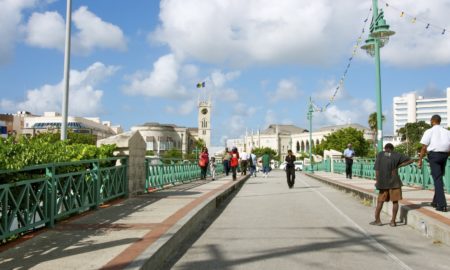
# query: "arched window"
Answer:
x=297 y=147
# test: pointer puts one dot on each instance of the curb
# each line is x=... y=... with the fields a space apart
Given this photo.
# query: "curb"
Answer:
x=423 y=220
x=167 y=246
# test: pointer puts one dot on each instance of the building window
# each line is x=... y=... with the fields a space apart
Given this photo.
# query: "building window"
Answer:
x=204 y=132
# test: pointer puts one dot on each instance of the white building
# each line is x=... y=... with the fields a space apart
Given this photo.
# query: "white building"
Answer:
x=284 y=137
x=164 y=137
x=52 y=121
x=411 y=108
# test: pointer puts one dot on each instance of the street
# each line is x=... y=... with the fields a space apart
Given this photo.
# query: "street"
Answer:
x=312 y=226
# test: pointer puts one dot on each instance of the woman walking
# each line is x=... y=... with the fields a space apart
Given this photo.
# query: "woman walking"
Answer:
x=203 y=162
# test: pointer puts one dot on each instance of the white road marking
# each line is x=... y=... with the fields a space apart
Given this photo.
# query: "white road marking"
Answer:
x=352 y=222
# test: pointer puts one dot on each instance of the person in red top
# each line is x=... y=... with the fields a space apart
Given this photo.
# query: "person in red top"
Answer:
x=203 y=162
x=234 y=162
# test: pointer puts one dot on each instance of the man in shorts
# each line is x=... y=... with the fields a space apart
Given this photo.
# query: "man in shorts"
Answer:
x=388 y=181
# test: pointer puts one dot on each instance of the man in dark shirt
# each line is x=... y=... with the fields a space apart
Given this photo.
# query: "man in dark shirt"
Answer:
x=290 y=169
x=388 y=181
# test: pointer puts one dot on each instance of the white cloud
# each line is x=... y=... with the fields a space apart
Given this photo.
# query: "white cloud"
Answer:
x=84 y=98
x=286 y=90
x=10 y=20
x=413 y=45
x=257 y=31
x=229 y=94
x=244 y=110
x=47 y=30
x=327 y=90
x=297 y=31
x=270 y=118
x=219 y=78
x=358 y=113
x=162 y=81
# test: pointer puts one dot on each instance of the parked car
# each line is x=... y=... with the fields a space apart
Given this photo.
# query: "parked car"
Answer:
x=298 y=165
x=283 y=165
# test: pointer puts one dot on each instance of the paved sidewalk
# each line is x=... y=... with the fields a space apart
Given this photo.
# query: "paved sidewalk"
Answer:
x=136 y=233
x=415 y=208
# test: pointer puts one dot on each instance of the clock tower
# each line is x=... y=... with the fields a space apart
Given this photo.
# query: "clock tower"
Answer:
x=204 y=122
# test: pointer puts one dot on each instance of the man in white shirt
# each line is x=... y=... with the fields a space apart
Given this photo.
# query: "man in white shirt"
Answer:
x=244 y=162
x=349 y=153
x=436 y=141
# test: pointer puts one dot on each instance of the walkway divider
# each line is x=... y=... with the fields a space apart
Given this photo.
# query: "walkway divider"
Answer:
x=415 y=209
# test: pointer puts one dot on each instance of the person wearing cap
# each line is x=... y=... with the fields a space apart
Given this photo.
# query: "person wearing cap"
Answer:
x=349 y=153
x=436 y=142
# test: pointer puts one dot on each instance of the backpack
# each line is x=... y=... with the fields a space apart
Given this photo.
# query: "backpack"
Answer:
x=234 y=162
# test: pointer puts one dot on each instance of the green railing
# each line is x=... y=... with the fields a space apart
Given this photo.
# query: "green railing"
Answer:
x=56 y=191
x=410 y=175
x=173 y=172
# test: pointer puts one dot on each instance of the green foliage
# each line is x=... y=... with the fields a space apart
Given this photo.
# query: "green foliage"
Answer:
x=259 y=151
x=302 y=155
x=21 y=152
x=173 y=154
x=339 y=139
x=409 y=149
x=150 y=153
x=411 y=134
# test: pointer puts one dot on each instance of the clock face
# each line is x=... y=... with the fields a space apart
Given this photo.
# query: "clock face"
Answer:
x=204 y=111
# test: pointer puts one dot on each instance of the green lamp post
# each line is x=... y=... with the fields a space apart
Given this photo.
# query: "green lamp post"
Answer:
x=379 y=36
x=310 y=116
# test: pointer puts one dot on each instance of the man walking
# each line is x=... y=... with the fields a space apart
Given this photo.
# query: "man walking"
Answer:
x=226 y=161
x=388 y=181
x=244 y=162
x=349 y=153
x=290 y=169
x=436 y=141
x=252 y=162
x=266 y=164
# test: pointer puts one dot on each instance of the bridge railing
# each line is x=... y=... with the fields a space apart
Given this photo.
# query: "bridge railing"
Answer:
x=38 y=196
x=172 y=172
x=410 y=175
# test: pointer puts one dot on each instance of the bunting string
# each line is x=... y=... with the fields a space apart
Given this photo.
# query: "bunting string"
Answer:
x=344 y=74
x=415 y=19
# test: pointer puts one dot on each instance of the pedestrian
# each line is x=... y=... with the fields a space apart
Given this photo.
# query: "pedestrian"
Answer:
x=266 y=164
x=388 y=181
x=234 y=162
x=349 y=153
x=290 y=169
x=436 y=141
x=203 y=162
x=244 y=162
x=212 y=168
x=252 y=162
x=226 y=161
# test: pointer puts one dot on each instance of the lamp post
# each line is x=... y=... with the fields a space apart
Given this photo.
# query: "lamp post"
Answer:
x=310 y=116
x=379 y=36
x=65 y=105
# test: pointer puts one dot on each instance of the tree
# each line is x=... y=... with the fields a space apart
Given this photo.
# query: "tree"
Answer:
x=410 y=135
x=373 y=125
x=339 y=139
x=259 y=151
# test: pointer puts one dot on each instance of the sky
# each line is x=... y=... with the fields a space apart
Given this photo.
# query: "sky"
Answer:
x=139 y=61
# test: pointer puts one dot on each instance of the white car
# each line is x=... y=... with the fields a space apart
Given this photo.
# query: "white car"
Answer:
x=298 y=165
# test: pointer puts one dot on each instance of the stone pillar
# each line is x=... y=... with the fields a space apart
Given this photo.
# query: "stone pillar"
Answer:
x=131 y=144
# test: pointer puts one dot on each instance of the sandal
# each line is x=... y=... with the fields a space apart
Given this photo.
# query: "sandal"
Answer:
x=376 y=223
x=393 y=224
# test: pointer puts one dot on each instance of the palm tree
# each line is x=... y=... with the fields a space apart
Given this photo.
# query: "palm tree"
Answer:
x=373 y=124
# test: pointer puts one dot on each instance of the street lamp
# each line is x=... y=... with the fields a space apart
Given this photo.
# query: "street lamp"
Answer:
x=379 y=36
x=310 y=116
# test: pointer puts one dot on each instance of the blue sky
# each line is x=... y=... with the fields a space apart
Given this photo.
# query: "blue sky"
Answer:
x=139 y=61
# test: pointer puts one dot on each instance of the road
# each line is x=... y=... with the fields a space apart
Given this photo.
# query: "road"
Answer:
x=312 y=226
